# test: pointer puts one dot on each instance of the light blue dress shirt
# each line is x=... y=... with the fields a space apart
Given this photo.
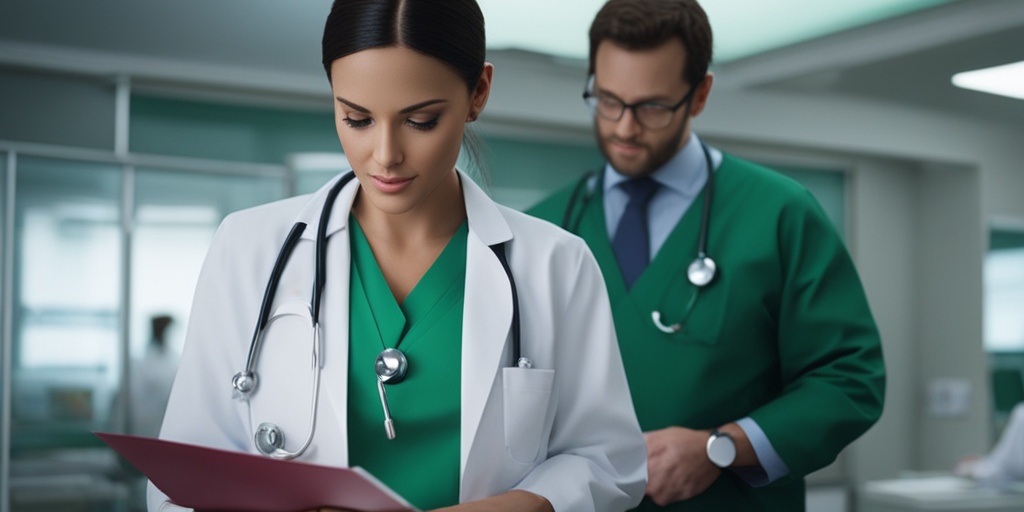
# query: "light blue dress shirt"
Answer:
x=681 y=179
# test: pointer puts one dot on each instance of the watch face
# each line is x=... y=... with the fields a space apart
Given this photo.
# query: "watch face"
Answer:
x=721 y=449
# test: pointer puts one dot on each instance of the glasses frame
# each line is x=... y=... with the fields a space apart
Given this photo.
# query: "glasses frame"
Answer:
x=592 y=100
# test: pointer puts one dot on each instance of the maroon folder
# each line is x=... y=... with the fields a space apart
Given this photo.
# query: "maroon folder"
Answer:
x=209 y=479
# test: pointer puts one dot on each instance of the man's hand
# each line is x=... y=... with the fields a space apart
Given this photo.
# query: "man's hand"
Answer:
x=677 y=464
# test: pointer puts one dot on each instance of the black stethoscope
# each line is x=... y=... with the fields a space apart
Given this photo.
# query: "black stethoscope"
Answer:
x=391 y=365
x=701 y=270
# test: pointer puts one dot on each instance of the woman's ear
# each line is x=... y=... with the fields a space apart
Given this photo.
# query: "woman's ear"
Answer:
x=481 y=92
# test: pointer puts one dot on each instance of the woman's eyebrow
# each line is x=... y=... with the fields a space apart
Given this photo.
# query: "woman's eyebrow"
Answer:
x=406 y=110
x=353 y=106
x=413 y=108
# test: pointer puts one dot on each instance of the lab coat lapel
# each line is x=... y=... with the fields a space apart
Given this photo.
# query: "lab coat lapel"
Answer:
x=334 y=315
x=487 y=315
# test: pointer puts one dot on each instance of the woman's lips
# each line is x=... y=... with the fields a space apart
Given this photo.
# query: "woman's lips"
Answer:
x=391 y=185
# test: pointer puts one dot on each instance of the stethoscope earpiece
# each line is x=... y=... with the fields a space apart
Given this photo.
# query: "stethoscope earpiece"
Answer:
x=667 y=329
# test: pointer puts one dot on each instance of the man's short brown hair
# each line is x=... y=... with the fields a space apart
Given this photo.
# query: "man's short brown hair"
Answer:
x=646 y=24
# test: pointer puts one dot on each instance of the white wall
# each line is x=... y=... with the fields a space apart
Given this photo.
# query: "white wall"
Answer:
x=950 y=339
x=889 y=280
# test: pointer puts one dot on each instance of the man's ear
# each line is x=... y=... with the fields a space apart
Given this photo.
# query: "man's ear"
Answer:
x=700 y=98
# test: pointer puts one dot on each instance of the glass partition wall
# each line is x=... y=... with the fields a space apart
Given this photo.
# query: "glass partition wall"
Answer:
x=105 y=258
x=65 y=364
x=6 y=223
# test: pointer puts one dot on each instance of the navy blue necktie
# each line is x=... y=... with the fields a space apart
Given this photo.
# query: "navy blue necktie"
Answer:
x=632 y=242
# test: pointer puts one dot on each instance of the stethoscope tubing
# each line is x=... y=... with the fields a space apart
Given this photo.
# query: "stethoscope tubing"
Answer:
x=320 y=278
x=282 y=259
x=245 y=382
x=270 y=291
x=578 y=196
x=574 y=198
x=701 y=270
x=705 y=218
x=517 y=358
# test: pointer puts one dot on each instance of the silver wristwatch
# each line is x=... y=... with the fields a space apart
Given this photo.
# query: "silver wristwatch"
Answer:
x=721 y=449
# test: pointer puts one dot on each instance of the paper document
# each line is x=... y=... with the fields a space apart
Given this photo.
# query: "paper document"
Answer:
x=209 y=479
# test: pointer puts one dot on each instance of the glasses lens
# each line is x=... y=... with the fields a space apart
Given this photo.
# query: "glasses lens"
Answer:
x=649 y=115
x=653 y=116
x=608 y=107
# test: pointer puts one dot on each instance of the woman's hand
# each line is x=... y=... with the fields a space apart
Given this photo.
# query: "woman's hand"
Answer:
x=511 y=501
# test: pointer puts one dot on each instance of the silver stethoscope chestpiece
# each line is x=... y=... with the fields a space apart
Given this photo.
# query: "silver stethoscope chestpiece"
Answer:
x=269 y=438
x=701 y=270
x=244 y=382
x=391 y=366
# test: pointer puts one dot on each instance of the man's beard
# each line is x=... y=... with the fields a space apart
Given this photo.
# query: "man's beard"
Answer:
x=651 y=158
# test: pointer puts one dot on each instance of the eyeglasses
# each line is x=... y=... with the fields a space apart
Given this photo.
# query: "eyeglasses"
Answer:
x=649 y=114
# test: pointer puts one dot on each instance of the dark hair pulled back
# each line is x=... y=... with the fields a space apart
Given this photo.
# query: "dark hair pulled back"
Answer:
x=451 y=31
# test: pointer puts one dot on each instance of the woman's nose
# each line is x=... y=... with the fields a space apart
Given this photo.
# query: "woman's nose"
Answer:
x=388 y=149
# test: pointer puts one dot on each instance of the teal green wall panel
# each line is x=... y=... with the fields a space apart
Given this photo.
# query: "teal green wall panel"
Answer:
x=541 y=165
x=45 y=108
x=227 y=132
x=827 y=186
x=518 y=172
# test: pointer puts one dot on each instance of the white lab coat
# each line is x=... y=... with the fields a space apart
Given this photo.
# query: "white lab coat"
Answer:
x=564 y=429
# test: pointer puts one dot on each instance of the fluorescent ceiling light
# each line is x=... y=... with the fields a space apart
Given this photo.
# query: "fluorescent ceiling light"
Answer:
x=1005 y=80
x=742 y=27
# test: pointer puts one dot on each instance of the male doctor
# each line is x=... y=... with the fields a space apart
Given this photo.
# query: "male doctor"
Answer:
x=760 y=363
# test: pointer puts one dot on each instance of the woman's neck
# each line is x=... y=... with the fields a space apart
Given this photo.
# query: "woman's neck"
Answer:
x=405 y=245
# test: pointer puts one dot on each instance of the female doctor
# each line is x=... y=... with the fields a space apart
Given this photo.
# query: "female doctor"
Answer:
x=405 y=361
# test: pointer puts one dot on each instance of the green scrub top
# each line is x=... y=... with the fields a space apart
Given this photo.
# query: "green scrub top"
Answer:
x=422 y=462
x=783 y=334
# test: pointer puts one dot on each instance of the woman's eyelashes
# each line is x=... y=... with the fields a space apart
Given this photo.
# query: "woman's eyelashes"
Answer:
x=422 y=125
x=426 y=125
x=357 y=123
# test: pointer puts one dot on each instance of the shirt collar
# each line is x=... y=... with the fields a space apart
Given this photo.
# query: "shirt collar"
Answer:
x=685 y=173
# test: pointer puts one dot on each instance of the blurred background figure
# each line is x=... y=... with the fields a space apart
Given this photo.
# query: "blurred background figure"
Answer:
x=1005 y=463
x=150 y=380
x=149 y=384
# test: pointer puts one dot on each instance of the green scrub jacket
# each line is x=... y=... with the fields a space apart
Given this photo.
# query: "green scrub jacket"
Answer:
x=783 y=334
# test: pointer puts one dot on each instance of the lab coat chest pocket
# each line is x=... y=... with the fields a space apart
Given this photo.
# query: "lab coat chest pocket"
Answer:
x=529 y=405
x=286 y=373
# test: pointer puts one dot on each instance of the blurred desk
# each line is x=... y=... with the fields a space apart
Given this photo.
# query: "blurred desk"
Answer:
x=70 y=480
x=941 y=492
x=68 y=493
